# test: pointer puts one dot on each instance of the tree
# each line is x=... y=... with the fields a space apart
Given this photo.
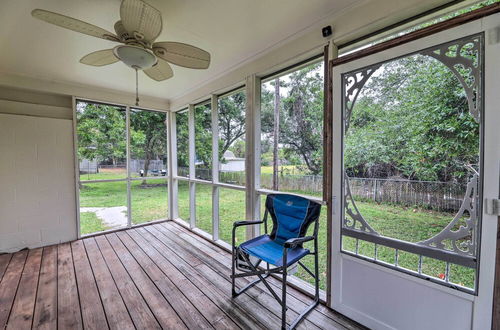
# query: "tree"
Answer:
x=182 y=131
x=203 y=138
x=302 y=132
x=411 y=120
x=231 y=121
x=148 y=133
x=101 y=132
x=300 y=119
x=231 y=130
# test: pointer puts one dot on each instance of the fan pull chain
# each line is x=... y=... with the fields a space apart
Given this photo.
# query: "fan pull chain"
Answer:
x=136 y=88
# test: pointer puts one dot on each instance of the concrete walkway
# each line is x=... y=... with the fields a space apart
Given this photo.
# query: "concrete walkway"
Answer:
x=111 y=216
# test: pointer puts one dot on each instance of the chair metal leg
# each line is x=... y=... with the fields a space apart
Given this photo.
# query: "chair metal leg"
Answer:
x=283 y=299
x=249 y=285
x=233 y=272
x=262 y=278
x=316 y=295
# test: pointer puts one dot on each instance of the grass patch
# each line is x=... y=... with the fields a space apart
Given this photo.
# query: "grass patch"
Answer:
x=289 y=169
x=90 y=223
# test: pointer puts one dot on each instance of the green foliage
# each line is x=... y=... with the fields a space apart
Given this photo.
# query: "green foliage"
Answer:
x=182 y=130
x=148 y=136
x=411 y=120
x=232 y=124
x=231 y=112
x=301 y=119
x=203 y=135
x=302 y=129
x=101 y=132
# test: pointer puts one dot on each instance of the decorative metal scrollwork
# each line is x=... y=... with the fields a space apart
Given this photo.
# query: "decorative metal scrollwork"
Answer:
x=353 y=83
x=356 y=219
x=461 y=241
x=463 y=58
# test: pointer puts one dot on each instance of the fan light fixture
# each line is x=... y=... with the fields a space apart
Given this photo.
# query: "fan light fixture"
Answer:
x=135 y=57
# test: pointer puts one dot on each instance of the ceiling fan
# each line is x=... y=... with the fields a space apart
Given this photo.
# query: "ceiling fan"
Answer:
x=139 y=26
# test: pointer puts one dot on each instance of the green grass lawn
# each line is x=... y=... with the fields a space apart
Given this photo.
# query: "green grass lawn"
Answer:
x=150 y=203
x=292 y=169
x=90 y=223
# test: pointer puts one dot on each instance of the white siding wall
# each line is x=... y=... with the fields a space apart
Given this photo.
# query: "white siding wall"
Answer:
x=37 y=184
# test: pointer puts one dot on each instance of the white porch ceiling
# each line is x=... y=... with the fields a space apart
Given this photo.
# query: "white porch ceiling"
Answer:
x=233 y=31
x=230 y=30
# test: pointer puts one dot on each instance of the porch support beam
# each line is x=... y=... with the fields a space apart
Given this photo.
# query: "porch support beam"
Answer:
x=173 y=188
x=252 y=151
x=331 y=52
x=215 y=167
x=129 y=197
x=192 y=174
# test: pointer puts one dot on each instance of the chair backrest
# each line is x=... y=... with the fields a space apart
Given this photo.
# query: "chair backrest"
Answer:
x=291 y=215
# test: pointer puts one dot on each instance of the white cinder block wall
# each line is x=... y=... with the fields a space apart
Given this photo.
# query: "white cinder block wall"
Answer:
x=37 y=181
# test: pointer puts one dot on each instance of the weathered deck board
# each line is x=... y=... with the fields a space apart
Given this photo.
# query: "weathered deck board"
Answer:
x=9 y=284
x=24 y=304
x=90 y=302
x=69 y=315
x=296 y=299
x=4 y=263
x=114 y=307
x=156 y=276
x=217 y=272
x=197 y=297
x=46 y=298
x=160 y=307
x=137 y=307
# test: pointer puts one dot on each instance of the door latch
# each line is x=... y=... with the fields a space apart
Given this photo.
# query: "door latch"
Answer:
x=492 y=206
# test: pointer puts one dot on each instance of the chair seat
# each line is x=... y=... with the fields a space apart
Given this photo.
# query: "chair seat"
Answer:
x=263 y=247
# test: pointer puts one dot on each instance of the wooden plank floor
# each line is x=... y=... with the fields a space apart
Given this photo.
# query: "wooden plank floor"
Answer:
x=151 y=277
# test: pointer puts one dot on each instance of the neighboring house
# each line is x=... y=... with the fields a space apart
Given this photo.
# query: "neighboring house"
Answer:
x=230 y=163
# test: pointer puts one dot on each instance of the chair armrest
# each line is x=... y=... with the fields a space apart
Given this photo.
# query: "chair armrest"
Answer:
x=293 y=242
x=239 y=224
x=246 y=223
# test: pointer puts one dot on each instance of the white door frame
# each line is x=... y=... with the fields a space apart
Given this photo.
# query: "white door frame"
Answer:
x=378 y=284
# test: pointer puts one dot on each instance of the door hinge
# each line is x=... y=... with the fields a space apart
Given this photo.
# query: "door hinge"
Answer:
x=492 y=206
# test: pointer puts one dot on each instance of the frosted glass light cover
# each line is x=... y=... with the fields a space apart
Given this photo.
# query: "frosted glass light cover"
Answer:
x=135 y=57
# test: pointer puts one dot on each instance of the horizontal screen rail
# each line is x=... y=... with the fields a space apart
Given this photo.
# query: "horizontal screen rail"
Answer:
x=448 y=256
x=318 y=200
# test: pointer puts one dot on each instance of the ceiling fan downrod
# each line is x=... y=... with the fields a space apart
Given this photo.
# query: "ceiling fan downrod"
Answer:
x=136 y=87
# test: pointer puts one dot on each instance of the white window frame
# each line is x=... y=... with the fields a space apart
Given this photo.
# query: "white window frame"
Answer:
x=128 y=178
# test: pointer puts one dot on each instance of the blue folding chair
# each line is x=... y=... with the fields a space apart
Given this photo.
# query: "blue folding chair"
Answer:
x=282 y=248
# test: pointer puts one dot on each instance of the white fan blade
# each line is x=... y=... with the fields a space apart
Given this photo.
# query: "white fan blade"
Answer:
x=100 y=58
x=73 y=24
x=182 y=54
x=141 y=20
x=160 y=71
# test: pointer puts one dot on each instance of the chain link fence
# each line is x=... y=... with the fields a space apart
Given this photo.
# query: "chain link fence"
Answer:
x=433 y=195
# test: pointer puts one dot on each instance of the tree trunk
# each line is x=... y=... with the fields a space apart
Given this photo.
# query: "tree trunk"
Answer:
x=276 y=133
x=146 y=166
